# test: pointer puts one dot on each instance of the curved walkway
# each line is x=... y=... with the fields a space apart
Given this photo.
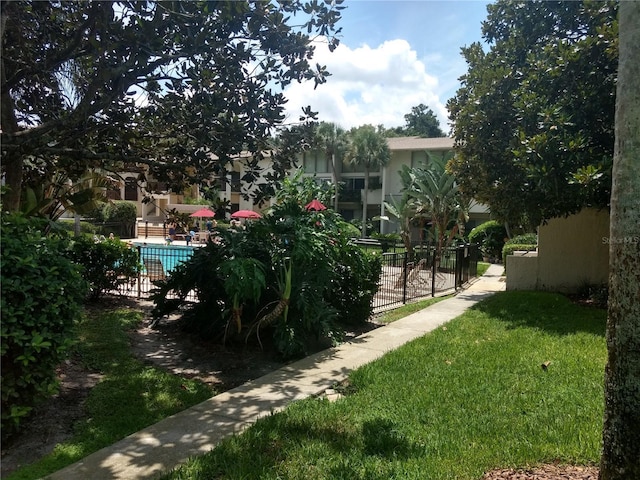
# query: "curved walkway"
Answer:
x=161 y=447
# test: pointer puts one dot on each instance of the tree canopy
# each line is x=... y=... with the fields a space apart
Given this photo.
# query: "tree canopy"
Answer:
x=180 y=86
x=421 y=122
x=533 y=120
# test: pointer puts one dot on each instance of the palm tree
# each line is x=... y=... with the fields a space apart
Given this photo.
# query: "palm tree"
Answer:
x=368 y=149
x=437 y=197
x=332 y=140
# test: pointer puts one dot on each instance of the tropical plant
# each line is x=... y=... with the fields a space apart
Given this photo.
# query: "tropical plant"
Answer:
x=294 y=273
x=437 y=198
x=368 y=149
x=51 y=196
x=243 y=281
x=211 y=196
x=405 y=211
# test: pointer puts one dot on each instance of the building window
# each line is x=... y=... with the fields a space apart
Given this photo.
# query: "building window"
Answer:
x=131 y=189
x=354 y=183
x=419 y=159
x=235 y=182
x=315 y=162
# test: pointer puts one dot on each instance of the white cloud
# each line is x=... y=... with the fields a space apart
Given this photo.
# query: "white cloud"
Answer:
x=368 y=85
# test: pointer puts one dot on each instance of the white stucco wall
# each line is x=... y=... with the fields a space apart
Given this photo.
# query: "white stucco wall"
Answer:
x=572 y=252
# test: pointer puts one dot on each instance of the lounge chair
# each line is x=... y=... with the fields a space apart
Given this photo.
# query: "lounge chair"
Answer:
x=155 y=269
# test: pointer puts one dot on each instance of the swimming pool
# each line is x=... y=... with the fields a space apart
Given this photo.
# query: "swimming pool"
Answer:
x=169 y=255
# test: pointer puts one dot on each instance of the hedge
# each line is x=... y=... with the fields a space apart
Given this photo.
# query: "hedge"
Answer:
x=42 y=294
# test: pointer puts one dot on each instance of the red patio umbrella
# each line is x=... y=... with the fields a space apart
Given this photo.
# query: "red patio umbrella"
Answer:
x=246 y=214
x=315 y=205
x=203 y=212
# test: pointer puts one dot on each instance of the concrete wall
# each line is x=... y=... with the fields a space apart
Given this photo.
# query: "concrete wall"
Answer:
x=522 y=271
x=572 y=252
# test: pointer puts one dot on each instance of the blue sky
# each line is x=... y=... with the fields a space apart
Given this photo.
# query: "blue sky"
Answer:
x=393 y=55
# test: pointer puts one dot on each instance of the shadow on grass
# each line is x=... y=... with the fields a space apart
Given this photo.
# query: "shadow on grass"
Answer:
x=551 y=312
x=278 y=439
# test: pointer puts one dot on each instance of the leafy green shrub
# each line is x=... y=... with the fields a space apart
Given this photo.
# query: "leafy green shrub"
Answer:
x=358 y=273
x=527 y=242
x=349 y=229
x=386 y=240
x=106 y=265
x=118 y=217
x=524 y=239
x=120 y=211
x=68 y=225
x=313 y=280
x=42 y=294
x=490 y=236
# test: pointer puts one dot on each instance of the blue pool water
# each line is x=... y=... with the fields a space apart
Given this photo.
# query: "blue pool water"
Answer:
x=169 y=255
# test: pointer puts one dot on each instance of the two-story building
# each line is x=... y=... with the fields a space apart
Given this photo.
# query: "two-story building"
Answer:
x=384 y=185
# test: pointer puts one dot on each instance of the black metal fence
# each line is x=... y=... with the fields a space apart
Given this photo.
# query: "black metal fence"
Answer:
x=157 y=261
x=408 y=276
x=405 y=276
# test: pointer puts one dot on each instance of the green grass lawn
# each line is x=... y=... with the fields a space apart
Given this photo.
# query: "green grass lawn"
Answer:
x=482 y=267
x=130 y=397
x=469 y=397
x=408 y=309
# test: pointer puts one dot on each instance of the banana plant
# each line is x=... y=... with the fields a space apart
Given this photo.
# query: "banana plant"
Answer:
x=60 y=194
x=404 y=210
x=437 y=197
x=282 y=305
x=244 y=281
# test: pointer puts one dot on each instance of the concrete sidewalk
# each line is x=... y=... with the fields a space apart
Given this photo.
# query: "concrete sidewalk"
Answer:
x=163 y=446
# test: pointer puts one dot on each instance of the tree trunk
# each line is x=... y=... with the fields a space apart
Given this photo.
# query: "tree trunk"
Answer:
x=621 y=431
x=365 y=202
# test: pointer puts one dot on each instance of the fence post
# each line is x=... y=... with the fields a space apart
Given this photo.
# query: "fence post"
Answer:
x=146 y=229
x=473 y=260
x=434 y=271
x=404 y=277
x=458 y=268
x=139 y=248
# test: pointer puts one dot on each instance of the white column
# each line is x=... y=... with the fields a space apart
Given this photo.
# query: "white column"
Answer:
x=383 y=226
